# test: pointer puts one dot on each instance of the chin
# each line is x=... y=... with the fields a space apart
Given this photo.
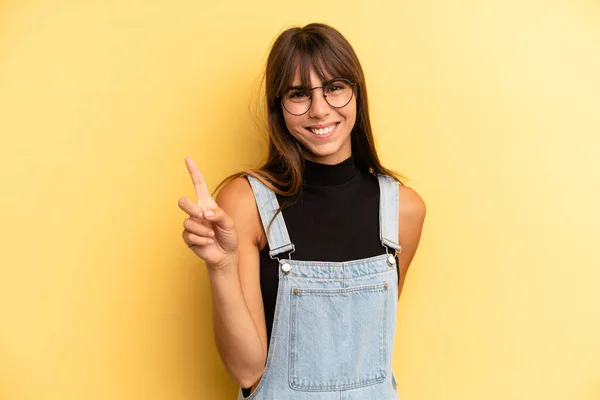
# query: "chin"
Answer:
x=327 y=157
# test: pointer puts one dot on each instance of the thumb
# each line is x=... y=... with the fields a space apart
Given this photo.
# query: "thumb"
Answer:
x=220 y=218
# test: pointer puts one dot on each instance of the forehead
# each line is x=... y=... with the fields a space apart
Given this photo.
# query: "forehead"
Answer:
x=311 y=69
x=315 y=79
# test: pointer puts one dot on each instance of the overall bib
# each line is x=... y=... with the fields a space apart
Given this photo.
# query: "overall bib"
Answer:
x=334 y=323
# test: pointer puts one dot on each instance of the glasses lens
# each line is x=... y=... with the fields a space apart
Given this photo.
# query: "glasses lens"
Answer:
x=338 y=93
x=297 y=101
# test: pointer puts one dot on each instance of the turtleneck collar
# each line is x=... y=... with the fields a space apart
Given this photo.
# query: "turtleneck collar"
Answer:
x=316 y=174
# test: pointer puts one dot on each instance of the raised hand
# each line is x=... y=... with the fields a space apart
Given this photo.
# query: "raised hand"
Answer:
x=209 y=232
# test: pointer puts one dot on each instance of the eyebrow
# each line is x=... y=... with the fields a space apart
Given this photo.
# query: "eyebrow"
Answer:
x=295 y=87
x=325 y=82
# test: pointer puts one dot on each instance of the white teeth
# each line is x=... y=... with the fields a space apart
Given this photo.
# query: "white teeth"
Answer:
x=323 y=131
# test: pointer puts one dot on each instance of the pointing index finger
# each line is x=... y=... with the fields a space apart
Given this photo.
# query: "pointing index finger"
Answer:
x=204 y=197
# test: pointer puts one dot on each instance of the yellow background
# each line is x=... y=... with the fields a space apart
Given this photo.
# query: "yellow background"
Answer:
x=491 y=108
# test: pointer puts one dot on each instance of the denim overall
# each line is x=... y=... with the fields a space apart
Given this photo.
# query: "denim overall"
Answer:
x=334 y=323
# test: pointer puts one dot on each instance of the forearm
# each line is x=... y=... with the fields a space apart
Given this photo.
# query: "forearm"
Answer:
x=236 y=335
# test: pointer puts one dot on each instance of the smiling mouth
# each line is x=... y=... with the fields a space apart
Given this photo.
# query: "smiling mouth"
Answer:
x=324 y=131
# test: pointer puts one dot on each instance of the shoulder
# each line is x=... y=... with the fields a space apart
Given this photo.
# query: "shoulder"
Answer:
x=235 y=194
x=412 y=206
x=412 y=212
x=236 y=198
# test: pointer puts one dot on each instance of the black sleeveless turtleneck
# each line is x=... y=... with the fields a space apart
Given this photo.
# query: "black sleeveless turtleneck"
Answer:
x=334 y=218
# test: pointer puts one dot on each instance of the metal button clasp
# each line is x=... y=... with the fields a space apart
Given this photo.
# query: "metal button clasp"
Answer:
x=391 y=259
x=286 y=268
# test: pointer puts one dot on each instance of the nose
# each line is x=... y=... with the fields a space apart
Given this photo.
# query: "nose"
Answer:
x=319 y=107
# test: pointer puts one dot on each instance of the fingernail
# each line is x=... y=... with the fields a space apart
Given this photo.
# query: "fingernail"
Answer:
x=209 y=213
x=200 y=214
x=211 y=233
x=210 y=241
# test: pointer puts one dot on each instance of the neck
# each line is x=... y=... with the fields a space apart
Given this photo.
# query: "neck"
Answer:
x=321 y=174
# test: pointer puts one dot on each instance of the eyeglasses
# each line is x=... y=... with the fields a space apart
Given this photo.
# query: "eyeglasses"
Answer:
x=337 y=92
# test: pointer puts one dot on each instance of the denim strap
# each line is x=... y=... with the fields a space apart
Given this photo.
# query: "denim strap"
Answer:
x=388 y=211
x=277 y=234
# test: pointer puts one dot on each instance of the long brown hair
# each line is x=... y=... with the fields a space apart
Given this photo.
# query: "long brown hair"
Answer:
x=324 y=49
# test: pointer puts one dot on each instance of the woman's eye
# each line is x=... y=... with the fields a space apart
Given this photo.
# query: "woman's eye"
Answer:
x=336 y=86
x=297 y=95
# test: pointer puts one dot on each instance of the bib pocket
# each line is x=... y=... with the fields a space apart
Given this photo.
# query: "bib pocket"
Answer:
x=338 y=337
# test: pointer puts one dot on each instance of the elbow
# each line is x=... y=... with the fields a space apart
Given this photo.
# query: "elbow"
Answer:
x=248 y=378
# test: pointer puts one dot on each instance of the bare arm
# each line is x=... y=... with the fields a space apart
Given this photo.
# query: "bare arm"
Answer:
x=238 y=313
x=226 y=234
x=411 y=219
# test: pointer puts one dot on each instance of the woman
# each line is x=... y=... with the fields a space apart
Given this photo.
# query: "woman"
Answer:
x=307 y=254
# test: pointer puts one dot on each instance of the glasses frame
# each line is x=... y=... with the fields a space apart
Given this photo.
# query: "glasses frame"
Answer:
x=322 y=87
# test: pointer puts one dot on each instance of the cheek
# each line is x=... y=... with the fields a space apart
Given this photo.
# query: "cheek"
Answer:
x=349 y=112
x=293 y=124
x=287 y=121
